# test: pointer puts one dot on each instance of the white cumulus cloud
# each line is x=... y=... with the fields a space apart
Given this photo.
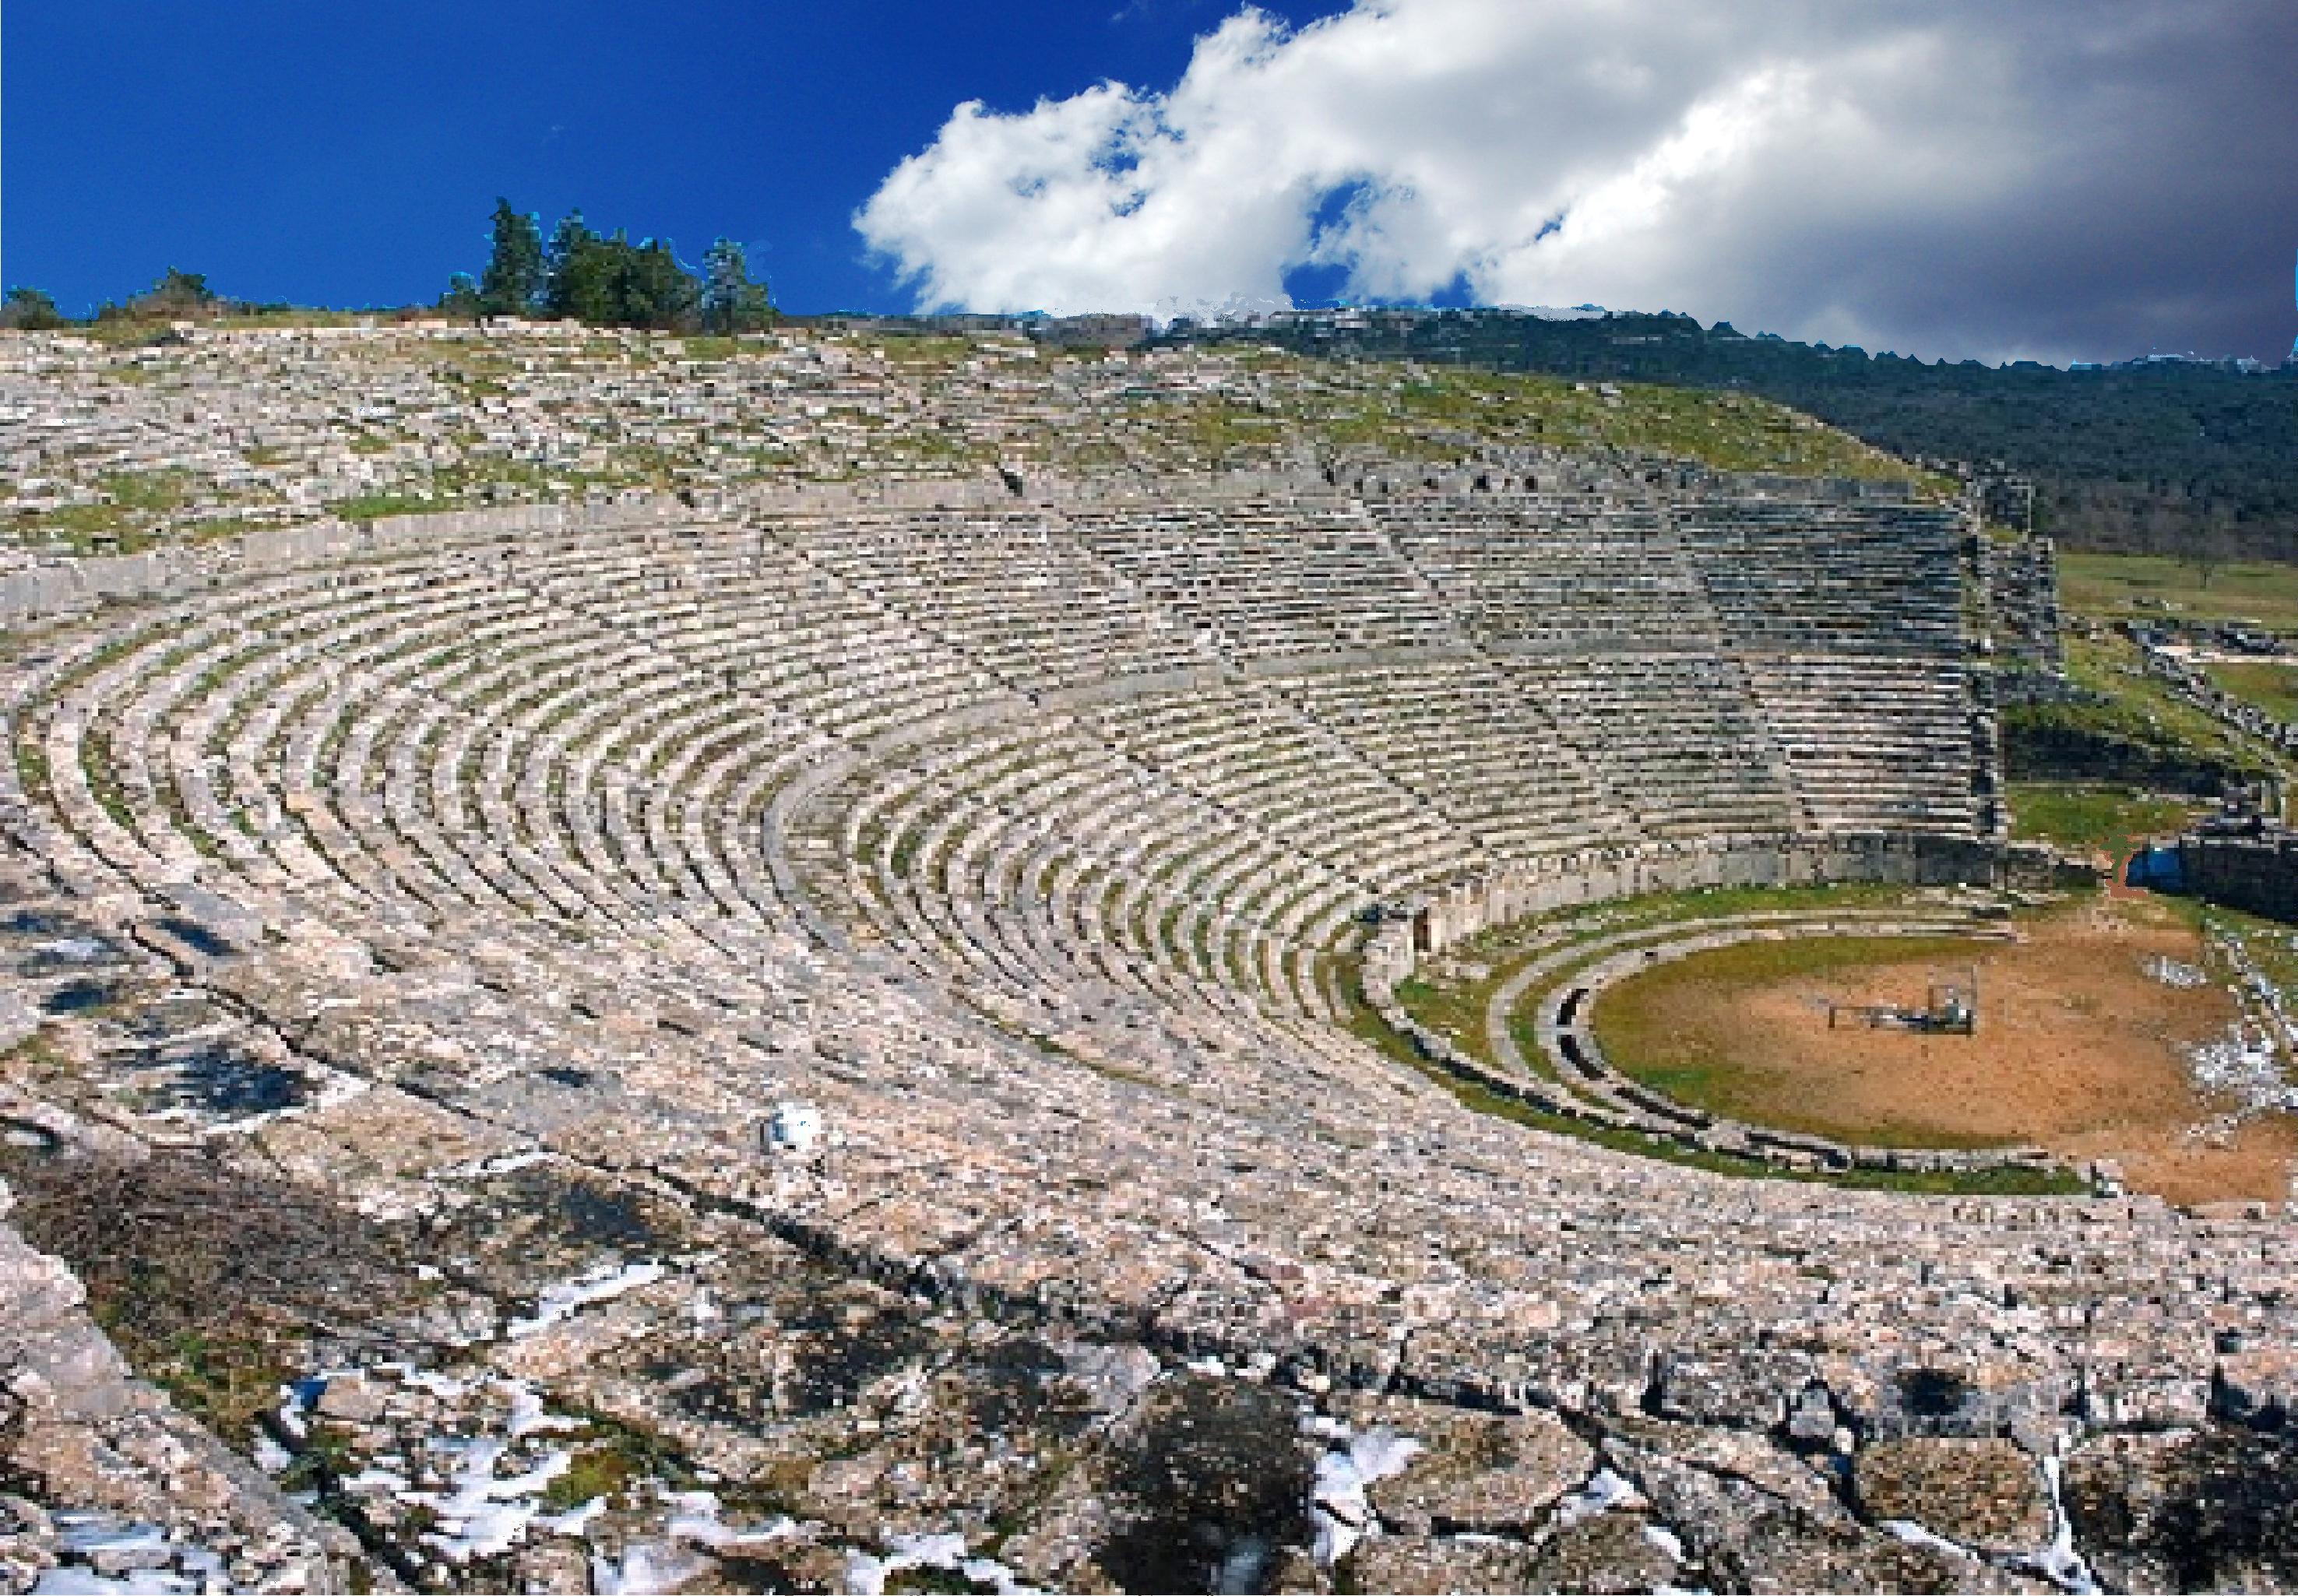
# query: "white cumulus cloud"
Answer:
x=1940 y=177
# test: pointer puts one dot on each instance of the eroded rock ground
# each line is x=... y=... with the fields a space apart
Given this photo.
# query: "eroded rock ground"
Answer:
x=417 y=1360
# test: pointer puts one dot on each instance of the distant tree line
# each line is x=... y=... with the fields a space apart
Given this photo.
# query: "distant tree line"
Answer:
x=2194 y=459
x=177 y=296
x=605 y=280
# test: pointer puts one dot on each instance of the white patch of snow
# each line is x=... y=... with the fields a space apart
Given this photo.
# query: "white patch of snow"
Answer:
x=1670 y=1546
x=1603 y=1492
x=2246 y=1066
x=143 y=1559
x=2174 y=972
x=88 y=1581
x=483 y=1516
x=2059 y=1562
x=563 y=1302
x=375 y=1479
x=1337 y=1505
x=500 y=1164
x=526 y=1415
x=867 y=1574
x=90 y=1535
x=575 y=1521
x=447 y=1388
x=290 y=1412
x=1909 y=1533
x=694 y=1517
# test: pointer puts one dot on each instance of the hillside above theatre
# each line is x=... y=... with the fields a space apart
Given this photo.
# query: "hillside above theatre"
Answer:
x=207 y=429
x=2151 y=456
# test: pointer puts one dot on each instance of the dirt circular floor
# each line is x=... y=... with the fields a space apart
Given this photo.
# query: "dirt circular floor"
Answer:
x=2079 y=1049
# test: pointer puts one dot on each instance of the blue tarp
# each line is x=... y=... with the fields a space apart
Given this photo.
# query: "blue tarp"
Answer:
x=2156 y=869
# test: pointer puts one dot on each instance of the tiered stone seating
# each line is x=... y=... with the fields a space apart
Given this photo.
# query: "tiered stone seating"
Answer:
x=1464 y=737
x=1001 y=849
x=1272 y=580
x=1872 y=746
x=1799 y=577
x=1571 y=574
x=1255 y=753
x=1044 y=890
x=1011 y=592
x=1847 y=619
x=1675 y=739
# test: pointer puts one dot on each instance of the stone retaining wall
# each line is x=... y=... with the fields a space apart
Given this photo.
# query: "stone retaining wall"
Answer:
x=1567 y=880
x=2256 y=873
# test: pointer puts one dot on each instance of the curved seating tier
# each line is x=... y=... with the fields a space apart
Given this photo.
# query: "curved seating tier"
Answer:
x=1174 y=747
x=1033 y=844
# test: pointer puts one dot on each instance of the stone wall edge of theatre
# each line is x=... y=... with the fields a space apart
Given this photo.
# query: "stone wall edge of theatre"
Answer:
x=1567 y=881
x=2257 y=874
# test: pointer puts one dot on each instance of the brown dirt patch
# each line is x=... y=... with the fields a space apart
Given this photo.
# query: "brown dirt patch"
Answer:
x=2079 y=1050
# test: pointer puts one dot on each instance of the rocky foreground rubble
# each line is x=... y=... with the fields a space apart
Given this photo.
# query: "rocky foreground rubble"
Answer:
x=704 y=1407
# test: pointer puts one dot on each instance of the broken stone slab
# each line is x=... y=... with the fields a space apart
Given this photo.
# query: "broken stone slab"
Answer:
x=2259 y=1388
x=1479 y=1473
x=1982 y=1493
x=1428 y=1563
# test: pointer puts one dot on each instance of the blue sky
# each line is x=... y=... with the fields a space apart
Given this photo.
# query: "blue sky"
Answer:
x=349 y=154
x=1952 y=178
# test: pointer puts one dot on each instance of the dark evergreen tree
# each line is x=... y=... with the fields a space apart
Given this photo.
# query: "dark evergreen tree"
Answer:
x=178 y=293
x=514 y=278
x=656 y=290
x=732 y=301
x=30 y=310
x=584 y=282
x=462 y=299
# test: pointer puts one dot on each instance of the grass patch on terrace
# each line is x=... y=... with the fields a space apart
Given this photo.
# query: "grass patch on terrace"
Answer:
x=2111 y=586
x=146 y=492
x=2072 y=815
x=78 y=526
x=2273 y=687
x=2272 y=945
x=1731 y=432
x=2132 y=731
x=123 y=522
x=1452 y=1009
x=1447 y=415
x=612 y=1459
x=919 y=351
x=1581 y=920
x=32 y=774
x=212 y=1283
x=375 y=506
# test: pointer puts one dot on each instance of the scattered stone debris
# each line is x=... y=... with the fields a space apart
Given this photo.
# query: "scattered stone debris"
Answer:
x=2175 y=972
